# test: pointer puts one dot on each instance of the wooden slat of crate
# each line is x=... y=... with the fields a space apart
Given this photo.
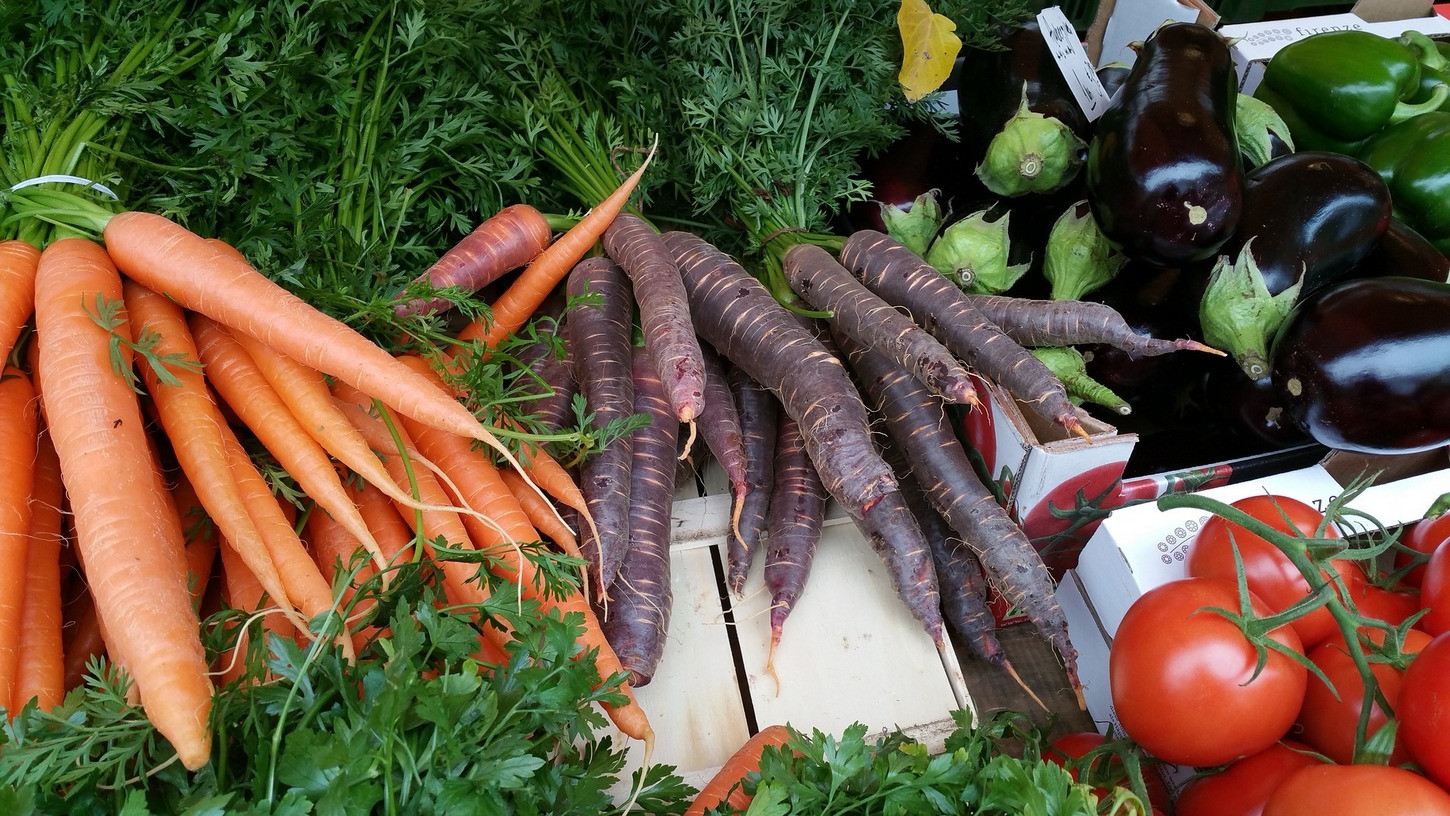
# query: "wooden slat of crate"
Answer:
x=851 y=651
x=694 y=701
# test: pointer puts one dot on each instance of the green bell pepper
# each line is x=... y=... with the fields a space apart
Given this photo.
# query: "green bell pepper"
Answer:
x=1342 y=87
x=1413 y=157
x=1434 y=60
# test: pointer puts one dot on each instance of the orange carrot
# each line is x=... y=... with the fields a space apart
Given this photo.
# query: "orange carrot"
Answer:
x=129 y=554
x=83 y=641
x=196 y=429
x=484 y=489
x=18 y=261
x=540 y=468
x=305 y=394
x=724 y=786
x=302 y=581
x=386 y=524
x=333 y=548
x=200 y=536
x=514 y=307
x=459 y=578
x=235 y=375
x=18 y=423
x=242 y=591
x=170 y=259
x=474 y=474
x=543 y=516
x=41 y=672
x=509 y=239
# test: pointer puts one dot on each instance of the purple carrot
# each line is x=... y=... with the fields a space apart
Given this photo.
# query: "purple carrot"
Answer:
x=866 y=318
x=759 y=413
x=599 y=333
x=1038 y=323
x=508 y=240
x=664 y=311
x=895 y=536
x=916 y=423
x=551 y=367
x=734 y=313
x=901 y=277
x=958 y=572
x=638 y=615
x=797 y=512
x=720 y=427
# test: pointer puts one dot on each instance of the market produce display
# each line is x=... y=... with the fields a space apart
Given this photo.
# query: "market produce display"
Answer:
x=355 y=350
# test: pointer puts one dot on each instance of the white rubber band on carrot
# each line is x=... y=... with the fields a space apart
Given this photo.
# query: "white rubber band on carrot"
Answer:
x=62 y=178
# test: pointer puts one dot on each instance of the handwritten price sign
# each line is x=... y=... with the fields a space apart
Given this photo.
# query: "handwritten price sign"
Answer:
x=1073 y=61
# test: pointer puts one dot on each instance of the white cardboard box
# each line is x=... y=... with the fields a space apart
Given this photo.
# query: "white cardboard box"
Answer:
x=1256 y=43
x=1140 y=547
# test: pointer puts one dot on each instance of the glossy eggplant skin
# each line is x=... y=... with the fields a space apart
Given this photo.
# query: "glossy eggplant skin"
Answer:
x=1311 y=214
x=1364 y=365
x=1403 y=252
x=1164 y=175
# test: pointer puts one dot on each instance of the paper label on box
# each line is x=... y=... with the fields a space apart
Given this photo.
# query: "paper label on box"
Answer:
x=1072 y=60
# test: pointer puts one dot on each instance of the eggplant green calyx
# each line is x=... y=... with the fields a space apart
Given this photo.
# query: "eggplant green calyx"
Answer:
x=1032 y=153
x=1239 y=315
x=973 y=253
x=914 y=226
x=1256 y=124
x=1079 y=257
x=1068 y=365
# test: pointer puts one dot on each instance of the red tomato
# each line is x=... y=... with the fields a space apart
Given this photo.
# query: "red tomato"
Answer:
x=1180 y=676
x=1424 y=710
x=1357 y=790
x=1424 y=536
x=1067 y=748
x=1435 y=593
x=1242 y=788
x=1270 y=574
x=1389 y=605
x=1327 y=725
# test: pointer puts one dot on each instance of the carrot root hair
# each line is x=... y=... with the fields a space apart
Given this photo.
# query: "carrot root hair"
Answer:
x=1012 y=673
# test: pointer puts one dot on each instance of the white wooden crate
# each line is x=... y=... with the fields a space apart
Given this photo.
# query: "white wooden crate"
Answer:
x=851 y=651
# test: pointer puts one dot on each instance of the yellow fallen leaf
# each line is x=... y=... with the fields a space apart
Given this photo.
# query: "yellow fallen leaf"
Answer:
x=929 y=48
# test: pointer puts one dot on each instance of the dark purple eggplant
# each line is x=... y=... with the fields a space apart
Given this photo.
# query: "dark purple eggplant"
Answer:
x=1164 y=175
x=1312 y=216
x=1308 y=219
x=1403 y=252
x=921 y=160
x=1113 y=75
x=1252 y=409
x=1364 y=365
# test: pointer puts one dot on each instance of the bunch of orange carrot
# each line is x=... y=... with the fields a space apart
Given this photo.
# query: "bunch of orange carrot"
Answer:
x=378 y=443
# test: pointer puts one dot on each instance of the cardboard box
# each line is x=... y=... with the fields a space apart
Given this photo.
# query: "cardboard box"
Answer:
x=1121 y=22
x=1256 y=43
x=1140 y=547
x=1093 y=645
x=1058 y=486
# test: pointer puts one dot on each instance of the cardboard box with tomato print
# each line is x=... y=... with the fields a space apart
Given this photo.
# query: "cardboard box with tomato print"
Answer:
x=1057 y=486
x=1140 y=547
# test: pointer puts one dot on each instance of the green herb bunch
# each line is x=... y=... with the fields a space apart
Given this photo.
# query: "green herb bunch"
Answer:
x=416 y=725
x=894 y=775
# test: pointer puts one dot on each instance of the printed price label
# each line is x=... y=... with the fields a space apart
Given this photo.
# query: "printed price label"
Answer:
x=1073 y=61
